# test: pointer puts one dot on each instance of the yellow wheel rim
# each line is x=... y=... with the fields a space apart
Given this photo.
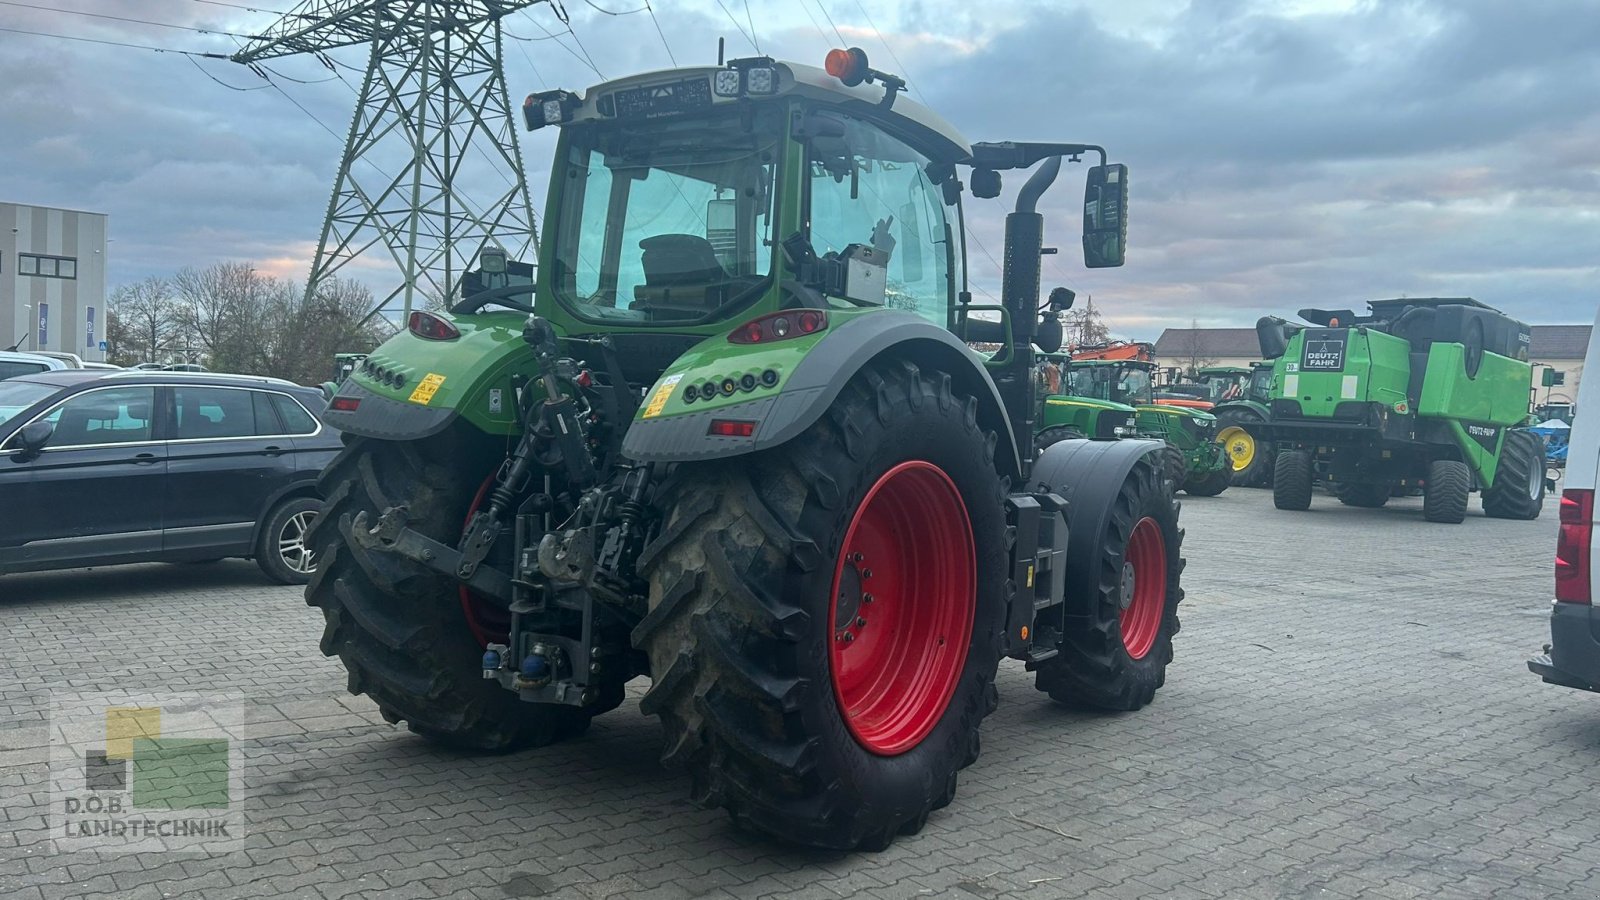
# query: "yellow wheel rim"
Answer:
x=1240 y=446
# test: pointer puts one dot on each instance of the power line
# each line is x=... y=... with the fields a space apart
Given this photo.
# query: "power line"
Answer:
x=892 y=55
x=831 y=24
x=68 y=37
x=258 y=9
x=736 y=24
x=196 y=64
x=663 y=34
x=752 y=23
x=626 y=12
x=94 y=15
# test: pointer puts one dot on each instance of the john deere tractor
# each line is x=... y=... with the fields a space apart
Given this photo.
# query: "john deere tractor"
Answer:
x=729 y=436
x=1104 y=398
x=1242 y=397
x=1428 y=392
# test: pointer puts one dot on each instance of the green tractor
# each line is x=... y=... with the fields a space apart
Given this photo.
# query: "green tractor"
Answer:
x=1242 y=397
x=1421 y=392
x=1104 y=398
x=343 y=365
x=732 y=438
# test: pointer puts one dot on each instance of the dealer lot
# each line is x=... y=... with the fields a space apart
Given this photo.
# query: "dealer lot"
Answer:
x=1348 y=715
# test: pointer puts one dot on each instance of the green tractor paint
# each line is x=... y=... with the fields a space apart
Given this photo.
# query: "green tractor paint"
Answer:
x=1421 y=392
x=1242 y=397
x=1111 y=399
x=729 y=435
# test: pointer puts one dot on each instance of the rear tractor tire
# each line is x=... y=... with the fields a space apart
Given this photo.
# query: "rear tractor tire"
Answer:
x=1117 y=657
x=1250 y=458
x=1444 y=495
x=1291 y=480
x=401 y=630
x=1519 y=479
x=825 y=616
x=1366 y=496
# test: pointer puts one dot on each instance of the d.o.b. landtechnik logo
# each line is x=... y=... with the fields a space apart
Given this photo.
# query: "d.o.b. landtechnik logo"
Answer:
x=147 y=773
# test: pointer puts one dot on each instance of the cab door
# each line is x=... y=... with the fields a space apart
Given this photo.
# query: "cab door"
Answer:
x=93 y=494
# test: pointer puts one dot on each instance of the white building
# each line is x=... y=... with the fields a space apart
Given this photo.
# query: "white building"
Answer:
x=52 y=279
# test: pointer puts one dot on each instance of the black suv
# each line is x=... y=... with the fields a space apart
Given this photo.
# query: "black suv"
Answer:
x=99 y=468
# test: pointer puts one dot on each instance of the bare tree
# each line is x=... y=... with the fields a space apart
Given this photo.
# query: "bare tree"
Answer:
x=1191 y=347
x=148 y=314
x=1084 y=327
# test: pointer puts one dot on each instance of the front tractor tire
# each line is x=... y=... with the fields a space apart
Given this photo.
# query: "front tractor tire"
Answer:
x=1116 y=657
x=825 y=616
x=401 y=630
x=1518 y=489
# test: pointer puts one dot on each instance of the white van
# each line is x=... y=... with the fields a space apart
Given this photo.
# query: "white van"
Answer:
x=1572 y=658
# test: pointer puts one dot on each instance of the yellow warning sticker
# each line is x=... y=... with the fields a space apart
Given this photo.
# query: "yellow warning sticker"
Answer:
x=427 y=388
x=658 y=400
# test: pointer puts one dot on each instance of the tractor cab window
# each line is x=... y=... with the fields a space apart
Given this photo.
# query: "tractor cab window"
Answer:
x=871 y=189
x=1130 y=386
x=1133 y=387
x=667 y=221
x=1261 y=384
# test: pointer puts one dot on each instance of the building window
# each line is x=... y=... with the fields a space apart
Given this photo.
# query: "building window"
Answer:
x=47 y=266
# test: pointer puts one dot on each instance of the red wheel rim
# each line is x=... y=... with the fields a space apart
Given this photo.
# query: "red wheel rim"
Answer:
x=1144 y=587
x=908 y=571
x=489 y=623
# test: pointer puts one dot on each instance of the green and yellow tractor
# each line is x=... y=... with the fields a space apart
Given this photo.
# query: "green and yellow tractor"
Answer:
x=1429 y=392
x=1110 y=399
x=730 y=437
x=1241 y=397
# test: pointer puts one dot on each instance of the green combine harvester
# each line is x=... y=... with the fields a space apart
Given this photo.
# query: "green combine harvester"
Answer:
x=1109 y=399
x=1421 y=392
x=730 y=437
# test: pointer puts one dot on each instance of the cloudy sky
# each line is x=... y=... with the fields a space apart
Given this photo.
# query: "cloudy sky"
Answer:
x=1283 y=154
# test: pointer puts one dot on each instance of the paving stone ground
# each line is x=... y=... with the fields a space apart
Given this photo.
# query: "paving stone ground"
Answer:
x=1348 y=716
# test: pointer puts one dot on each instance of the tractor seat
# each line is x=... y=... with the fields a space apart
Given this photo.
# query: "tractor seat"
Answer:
x=682 y=277
x=680 y=259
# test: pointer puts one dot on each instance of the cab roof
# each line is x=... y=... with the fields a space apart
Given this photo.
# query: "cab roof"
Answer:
x=934 y=135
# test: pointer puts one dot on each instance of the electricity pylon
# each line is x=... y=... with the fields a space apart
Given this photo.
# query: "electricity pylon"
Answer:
x=432 y=122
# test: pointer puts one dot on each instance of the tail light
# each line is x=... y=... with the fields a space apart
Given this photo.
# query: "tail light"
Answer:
x=428 y=326
x=1572 y=546
x=731 y=428
x=345 y=404
x=779 y=326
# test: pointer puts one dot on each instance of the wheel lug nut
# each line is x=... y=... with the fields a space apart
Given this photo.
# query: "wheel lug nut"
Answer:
x=848 y=637
x=856 y=557
x=860 y=621
x=866 y=573
x=866 y=598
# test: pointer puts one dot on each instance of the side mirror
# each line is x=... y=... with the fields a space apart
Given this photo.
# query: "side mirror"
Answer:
x=985 y=184
x=1272 y=337
x=1105 y=216
x=35 y=435
x=1048 y=335
x=1061 y=299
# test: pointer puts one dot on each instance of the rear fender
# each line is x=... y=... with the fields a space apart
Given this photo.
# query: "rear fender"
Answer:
x=412 y=388
x=810 y=372
x=1088 y=475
